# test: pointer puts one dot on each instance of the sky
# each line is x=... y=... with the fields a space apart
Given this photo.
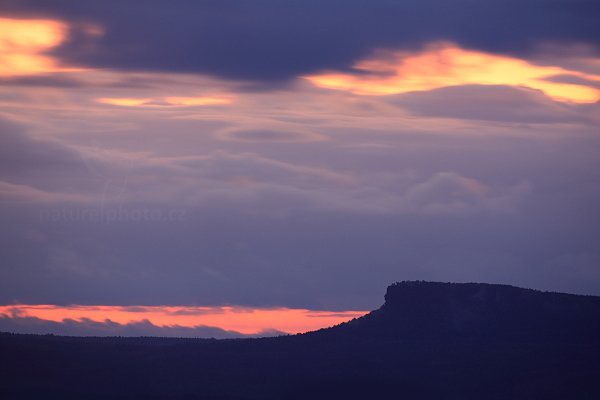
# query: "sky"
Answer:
x=230 y=168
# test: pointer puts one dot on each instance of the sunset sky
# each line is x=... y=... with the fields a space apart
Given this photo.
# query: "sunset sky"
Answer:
x=226 y=168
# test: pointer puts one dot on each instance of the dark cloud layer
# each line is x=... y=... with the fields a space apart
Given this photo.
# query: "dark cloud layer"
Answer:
x=272 y=41
x=87 y=327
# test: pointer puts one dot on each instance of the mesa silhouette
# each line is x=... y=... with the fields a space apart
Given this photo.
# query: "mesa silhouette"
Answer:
x=427 y=341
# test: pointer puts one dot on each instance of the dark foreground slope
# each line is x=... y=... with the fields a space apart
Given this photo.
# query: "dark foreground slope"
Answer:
x=428 y=341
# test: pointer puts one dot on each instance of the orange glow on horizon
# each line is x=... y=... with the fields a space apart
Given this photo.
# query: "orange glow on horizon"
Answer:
x=23 y=43
x=445 y=65
x=240 y=319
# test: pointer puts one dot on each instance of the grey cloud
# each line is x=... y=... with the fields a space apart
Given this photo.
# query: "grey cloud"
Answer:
x=109 y=177
x=34 y=169
x=575 y=80
x=491 y=103
x=24 y=193
x=65 y=81
x=21 y=154
x=55 y=81
x=271 y=135
x=252 y=181
x=448 y=192
x=87 y=327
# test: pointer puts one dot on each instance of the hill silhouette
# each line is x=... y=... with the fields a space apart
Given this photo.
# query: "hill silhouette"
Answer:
x=427 y=341
x=417 y=309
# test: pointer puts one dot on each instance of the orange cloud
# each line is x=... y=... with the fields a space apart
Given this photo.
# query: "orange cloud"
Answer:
x=24 y=42
x=165 y=101
x=446 y=64
x=197 y=101
x=124 y=101
x=240 y=319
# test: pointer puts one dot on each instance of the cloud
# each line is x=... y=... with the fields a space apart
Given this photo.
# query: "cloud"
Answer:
x=445 y=64
x=113 y=178
x=20 y=153
x=87 y=327
x=18 y=193
x=39 y=169
x=489 y=103
x=271 y=135
x=451 y=193
x=165 y=101
x=23 y=44
x=97 y=80
x=574 y=80
x=260 y=184
x=43 y=80
x=175 y=320
x=394 y=193
x=270 y=41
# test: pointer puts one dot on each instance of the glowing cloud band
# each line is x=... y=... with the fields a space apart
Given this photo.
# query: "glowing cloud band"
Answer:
x=166 y=101
x=446 y=64
x=232 y=318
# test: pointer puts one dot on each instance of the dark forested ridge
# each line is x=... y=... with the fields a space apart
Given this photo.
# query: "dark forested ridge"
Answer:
x=428 y=341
